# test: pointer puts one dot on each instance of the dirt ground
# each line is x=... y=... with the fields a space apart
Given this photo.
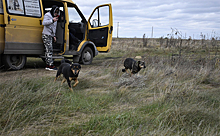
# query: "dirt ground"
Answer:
x=36 y=68
x=30 y=70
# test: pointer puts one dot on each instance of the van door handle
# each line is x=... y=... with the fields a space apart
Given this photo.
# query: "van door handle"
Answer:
x=9 y=19
x=40 y=22
x=2 y=25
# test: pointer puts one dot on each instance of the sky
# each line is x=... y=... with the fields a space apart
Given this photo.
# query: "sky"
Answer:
x=161 y=18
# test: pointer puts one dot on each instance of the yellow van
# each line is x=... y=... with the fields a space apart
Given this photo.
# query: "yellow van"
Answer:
x=21 y=31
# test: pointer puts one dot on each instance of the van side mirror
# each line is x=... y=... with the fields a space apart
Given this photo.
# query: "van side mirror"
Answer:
x=95 y=22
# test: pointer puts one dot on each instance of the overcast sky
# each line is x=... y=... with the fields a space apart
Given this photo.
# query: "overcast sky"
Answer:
x=138 y=17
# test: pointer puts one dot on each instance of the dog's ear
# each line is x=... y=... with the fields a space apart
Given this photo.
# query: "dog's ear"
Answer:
x=144 y=64
x=138 y=63
x=79 y=67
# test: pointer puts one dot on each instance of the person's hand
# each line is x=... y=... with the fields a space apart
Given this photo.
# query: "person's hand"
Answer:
x=55 y=19
x=55 y=39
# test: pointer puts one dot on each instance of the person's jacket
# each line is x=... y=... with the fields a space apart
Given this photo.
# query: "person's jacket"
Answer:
x=49 y=25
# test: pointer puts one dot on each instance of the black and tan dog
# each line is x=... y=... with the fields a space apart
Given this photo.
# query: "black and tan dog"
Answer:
x=70 y=72
x=134 y=66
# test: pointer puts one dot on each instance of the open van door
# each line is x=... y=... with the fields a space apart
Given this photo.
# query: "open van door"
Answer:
x=100 y=27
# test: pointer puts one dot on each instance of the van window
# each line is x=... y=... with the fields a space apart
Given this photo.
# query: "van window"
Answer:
x=100 y=17
x=104 y=15
x=24 y=7
x=1 y=7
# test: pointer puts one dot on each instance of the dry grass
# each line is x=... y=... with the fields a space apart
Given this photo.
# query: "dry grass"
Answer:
x=173 y=96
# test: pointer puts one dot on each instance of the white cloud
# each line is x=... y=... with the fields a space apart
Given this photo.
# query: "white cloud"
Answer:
x=137 y=17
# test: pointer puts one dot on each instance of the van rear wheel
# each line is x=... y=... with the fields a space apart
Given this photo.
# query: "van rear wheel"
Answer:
x=14 y=62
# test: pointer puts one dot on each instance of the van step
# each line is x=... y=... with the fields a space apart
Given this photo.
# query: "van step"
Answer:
x=72 y=52
x=54 y=57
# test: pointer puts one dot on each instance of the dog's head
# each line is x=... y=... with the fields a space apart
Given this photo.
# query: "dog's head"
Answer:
x=138 y=66
x=75 y=68
x=141 y=64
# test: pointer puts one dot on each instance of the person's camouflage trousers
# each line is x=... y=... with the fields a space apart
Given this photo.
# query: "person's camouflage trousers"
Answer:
x=47 y=40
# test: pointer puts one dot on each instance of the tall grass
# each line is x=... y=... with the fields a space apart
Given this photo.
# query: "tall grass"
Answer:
x=172 y=96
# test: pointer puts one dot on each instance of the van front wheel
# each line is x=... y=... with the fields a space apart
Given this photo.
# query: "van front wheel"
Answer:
x=14 y=62
x=86 y=56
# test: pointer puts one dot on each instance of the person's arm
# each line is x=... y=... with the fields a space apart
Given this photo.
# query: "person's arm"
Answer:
x=47 y=20
x=54 y=31
x=55 y=39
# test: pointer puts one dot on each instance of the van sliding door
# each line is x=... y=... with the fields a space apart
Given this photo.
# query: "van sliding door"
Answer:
x=23 y=27
x=2 y=29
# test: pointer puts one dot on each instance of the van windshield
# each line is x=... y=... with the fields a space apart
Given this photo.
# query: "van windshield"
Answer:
x=74 y=16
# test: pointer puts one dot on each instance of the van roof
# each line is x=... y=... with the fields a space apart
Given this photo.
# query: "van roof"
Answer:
x=70 y=1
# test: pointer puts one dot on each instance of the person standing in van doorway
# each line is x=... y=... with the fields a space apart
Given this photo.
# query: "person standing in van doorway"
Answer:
x=49 y=34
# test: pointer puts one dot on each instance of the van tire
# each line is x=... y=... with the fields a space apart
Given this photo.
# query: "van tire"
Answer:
x=86 y=56
x=14 y=62
x=1 y=63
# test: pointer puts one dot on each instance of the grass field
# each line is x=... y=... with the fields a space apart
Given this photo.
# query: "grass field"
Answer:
x=177 y=94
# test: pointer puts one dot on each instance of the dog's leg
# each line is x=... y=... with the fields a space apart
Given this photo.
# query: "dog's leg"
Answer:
x=71 y=89
x=130 y=73
x=127 y=71
x=56 y=78
x=68 y=81
x=58 y=74
x=76 y=82
x=64 y=80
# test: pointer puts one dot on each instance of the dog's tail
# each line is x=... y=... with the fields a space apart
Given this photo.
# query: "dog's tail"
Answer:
x=123 y=70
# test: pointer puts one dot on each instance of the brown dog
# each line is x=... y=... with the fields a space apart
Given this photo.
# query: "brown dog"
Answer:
x=70 y=72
